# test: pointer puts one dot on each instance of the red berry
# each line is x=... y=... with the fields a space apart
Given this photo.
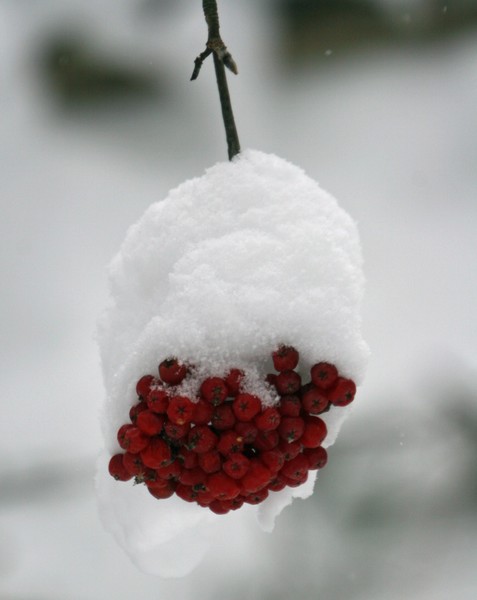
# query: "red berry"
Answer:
x=204 y=498
x=186 y=492
x=210 y=462
x=246 y=406
x=223 y=417
x=289 y=449
x=219 y=508
x=291 y=428
x=136 y=409
x=343 y=392
x=135 y=440
x=229 y=442
x=176 y=432
x=267 y=420
x=144 y=386
x=149 y=422
x=324 y=375
x=288 y=382
x=256 y=478
x=180 y=410
x=236 y=465
x=256 y=497
x=273 y=459
x=117 y=469
x=314 y=400
x=299 y=480
x=122 y=441
x=171 y=371
x=295 y=468
x=161 y=493
x=157 y=454
x=223 y=487
x=202 y=413
x=172 y=471
x=315 y=432
x=233 y=380
x=133 y=463
x=158 y=401
x=290 y=406
x=277 y=484
x=214 y=390
x=201 y=439
x=196 y=477
x=316 y=457
x=285 y=358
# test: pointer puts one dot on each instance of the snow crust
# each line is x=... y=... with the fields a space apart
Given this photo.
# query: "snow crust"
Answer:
x=231 y=264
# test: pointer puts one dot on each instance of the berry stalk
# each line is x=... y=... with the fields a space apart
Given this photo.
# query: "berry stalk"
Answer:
x=222 y=59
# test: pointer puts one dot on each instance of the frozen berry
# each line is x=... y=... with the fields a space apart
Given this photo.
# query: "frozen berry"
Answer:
x=171 y=371
x=202 y=413
x=223 y=487
x=210 y=462
x=314 y=400
x=176 y=432
x=135 y=410
x=149 y=422
x=256 y=497
x=122 y=441
x=161 y=493
x=214 y=390
x=196 y=477
x=314 y=433
x=247 y=431
x=236 y=465
x=266 y=440
x=201 y=439
x=324 y=375
x=285 y=358
x=295 y=468
x=288 y=382
x=223 y=417
x=229 y=442
x=273 y=459
x=157 y=454
x=180 y=410
x=343 y=392
x=316 y=457
x=290 y=406
x=188 y=458
x=268 y=419
x=290 y=449
x=233 y=380
x=246 y=406
x=158 y=401
x=256 y=478
x=144 y=385
x=117 y=469
x=171 y=471
x=291 y=428
x=135 y=440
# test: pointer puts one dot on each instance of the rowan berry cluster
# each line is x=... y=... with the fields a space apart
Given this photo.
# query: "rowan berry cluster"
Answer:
x=224 y=449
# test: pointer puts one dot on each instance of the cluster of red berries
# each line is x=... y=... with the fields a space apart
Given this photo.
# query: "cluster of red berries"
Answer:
x=224 y=448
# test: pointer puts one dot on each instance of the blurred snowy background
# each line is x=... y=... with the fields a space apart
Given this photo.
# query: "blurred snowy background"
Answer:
x=377 y=101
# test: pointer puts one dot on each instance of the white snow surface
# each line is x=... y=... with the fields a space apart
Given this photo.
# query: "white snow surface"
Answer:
x=230 y=265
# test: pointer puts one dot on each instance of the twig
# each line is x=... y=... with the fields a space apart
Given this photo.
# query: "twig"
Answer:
x=222 y=59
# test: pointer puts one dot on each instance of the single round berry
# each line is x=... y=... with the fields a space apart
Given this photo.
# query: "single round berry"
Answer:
x=343 y=392
x=256 y=497
x=144 y=385
x=135 y=410
x=133 y=464
x=180 y=410
x=289 y=449
x=201 y=439
x=171 y=371
x=157 y=454
x=150 y=423
x=267 y=420
x=246 y=406
x=176 y=432
x=236 y=465
x=273 y=459
x=233 y=380
x=171 y=471
x=196 y=477
x=288 y=382
x=314 y=433
x=266 y=440
x=162 y=493
x=214 y=390
x=296 y=468
x=256 y=478
x=291 y=428
x=121 y=435
x=285 y=358
x=134 y=440
x=229 y=442
x=117 y=469
x=247 y=431
x=314 y=400
x=316 y=457
x=324 y=375
x=223 y=487
x=158 y=401
x=210 y=462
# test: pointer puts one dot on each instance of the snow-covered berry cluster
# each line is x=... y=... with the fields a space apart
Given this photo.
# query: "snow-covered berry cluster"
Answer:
x=225 y=448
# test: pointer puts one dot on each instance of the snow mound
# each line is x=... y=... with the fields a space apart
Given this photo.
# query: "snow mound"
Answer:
x=230 y=265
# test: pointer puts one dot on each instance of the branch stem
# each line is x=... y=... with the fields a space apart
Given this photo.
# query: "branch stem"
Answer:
x=222 y=59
